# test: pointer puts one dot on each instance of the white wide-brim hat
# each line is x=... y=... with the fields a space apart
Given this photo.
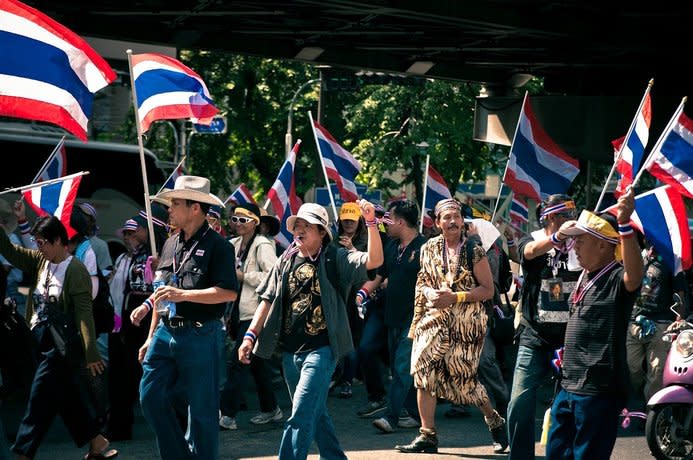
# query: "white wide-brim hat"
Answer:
x=312 y=213
x=193 y=188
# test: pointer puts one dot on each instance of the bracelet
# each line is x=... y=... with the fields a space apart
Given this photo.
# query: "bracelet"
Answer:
x=148 y=303
x=461 y=296
x=250 y=335
x=371 y=223
x=511 y=243
x=625 y=230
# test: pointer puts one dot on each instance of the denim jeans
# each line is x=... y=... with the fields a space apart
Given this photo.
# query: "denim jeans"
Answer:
x=183 y=358
x=368 y=352
x=583 y=427
x=308 y=377
x=532 y=368
x=402 y=392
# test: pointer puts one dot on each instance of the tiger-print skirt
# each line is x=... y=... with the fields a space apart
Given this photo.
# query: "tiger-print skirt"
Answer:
x=446 y=351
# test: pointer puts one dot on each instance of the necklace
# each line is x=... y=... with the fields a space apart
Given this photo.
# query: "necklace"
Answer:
x=446 y=264
x=315 y=257
x=400 y=252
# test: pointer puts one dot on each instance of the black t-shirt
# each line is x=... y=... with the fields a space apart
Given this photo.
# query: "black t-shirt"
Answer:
x=548 y=283
x=594 y=361
x=657 y=290
x=202 y=261
x=400 y=267
x=304 y=327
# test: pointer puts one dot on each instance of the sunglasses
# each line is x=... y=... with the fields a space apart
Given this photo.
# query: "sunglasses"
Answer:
x=241 y=220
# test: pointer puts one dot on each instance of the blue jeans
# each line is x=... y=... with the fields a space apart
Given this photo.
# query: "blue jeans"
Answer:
x=183 y=358
x=532 y=368
x=402 y=392
x=308 y=377
x=372 y=341
x=583 y=427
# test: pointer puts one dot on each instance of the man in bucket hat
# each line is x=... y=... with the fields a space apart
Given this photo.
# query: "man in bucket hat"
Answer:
x=302 y=311
x=183 y=349
x=584 y=416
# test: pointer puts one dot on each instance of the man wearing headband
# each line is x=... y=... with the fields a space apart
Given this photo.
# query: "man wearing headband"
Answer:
x=448 y=328
x=594 y=380
x=547 y=262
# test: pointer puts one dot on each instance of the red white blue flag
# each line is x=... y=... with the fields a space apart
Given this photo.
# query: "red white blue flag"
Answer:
x=671 y=159
x=632 y=145
x=537 y=166
x=519 y=212
x=55 y=166
x=56 y=198
x=436 y=190
x=242 y=195
x=283 y=196
x=660 y=215
x=171 y=181
x=340 y=165
x=47 y=72
x=168 y=89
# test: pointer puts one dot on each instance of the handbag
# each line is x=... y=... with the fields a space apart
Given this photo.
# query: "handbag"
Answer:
x=502 y=325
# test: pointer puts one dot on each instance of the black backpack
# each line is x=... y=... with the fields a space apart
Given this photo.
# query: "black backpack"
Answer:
x=102 y=307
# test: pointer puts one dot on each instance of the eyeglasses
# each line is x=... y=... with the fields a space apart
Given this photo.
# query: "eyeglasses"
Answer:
x=241 y=219
x=39 y=242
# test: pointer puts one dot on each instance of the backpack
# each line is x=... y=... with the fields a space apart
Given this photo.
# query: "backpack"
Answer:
x=102 y=306
x=505 y=274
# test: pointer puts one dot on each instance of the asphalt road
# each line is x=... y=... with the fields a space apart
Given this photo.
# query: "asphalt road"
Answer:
x=465 y=438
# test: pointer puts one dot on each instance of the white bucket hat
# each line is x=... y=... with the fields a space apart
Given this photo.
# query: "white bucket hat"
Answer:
x=194 y=188
x=312 y=213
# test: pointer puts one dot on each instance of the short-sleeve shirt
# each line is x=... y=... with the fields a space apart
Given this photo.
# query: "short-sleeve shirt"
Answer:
x=544 y=310
x=202 y=261
x=657 y=290
x=400 y=267
x=594 y=361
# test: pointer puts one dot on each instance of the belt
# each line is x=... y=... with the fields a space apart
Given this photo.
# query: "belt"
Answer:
x=175 y=323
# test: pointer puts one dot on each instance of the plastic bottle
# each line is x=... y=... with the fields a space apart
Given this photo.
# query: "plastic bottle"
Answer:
x=164 y=307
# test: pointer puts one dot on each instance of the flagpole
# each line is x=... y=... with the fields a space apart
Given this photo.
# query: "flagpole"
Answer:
x=322 y=162
x=620 y=150
x=174 y=171
x=425 y=187
x=50 y=158
x=660 y=141
x=45 y=182
x=517 y=127
x=147 y=204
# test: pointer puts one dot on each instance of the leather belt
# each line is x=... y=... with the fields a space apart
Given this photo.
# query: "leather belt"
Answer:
x=175 y=323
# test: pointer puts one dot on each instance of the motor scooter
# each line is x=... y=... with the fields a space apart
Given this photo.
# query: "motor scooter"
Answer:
x=669 y=429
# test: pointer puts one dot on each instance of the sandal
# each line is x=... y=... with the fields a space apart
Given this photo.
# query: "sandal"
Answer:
x=103 y=455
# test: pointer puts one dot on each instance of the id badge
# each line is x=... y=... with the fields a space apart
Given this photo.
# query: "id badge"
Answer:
x=556 y=290
x=174 y=280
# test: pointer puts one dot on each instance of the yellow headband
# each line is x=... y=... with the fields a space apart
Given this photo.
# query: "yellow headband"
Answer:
x=600 y=228
x=246 y=213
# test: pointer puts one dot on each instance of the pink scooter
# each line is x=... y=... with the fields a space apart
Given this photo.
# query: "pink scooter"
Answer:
x=669 y=427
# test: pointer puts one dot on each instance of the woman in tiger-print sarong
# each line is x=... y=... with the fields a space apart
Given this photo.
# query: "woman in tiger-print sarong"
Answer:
x=449 y=326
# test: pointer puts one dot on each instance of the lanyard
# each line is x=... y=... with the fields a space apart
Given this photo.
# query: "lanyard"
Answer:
x=186 y=255
x=581 y=290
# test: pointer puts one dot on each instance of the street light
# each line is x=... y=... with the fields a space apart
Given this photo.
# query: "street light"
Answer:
x=288 y=139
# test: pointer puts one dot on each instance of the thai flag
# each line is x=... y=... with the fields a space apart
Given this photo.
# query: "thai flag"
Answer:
x=436 y=190
x=171 y=181
x=623 y=181
x=168 y=89
x=671 y=159
x=56 y=198
x=634 y=142
x=537 y=166
x=519 y=212
x=339 y=164
x=47 y=72
x=55 y=166
x=242 y=195
x=660 y=215
x=283 y=197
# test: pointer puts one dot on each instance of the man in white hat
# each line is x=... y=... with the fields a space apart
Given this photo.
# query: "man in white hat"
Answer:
x=185 y=342
x=302 y=311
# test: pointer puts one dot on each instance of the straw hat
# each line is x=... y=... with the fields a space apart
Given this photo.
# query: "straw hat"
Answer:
x=194 y=188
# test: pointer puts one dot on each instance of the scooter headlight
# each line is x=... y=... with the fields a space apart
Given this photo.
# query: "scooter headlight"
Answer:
x=684 y=343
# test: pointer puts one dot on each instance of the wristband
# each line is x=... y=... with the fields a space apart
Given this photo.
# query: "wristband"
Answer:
x=250 y=335
x=625 y=230
x=461 y=296
x=555 y=240
x=149 y=304
x=371 y=223
x=511 y=243
x=363 y=294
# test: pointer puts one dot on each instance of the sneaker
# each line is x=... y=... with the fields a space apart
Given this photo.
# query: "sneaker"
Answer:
x=407 y=422
x=345 y=390
x=372 y=408
x=266 y=417
x=228 y=423
x=383 y=425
